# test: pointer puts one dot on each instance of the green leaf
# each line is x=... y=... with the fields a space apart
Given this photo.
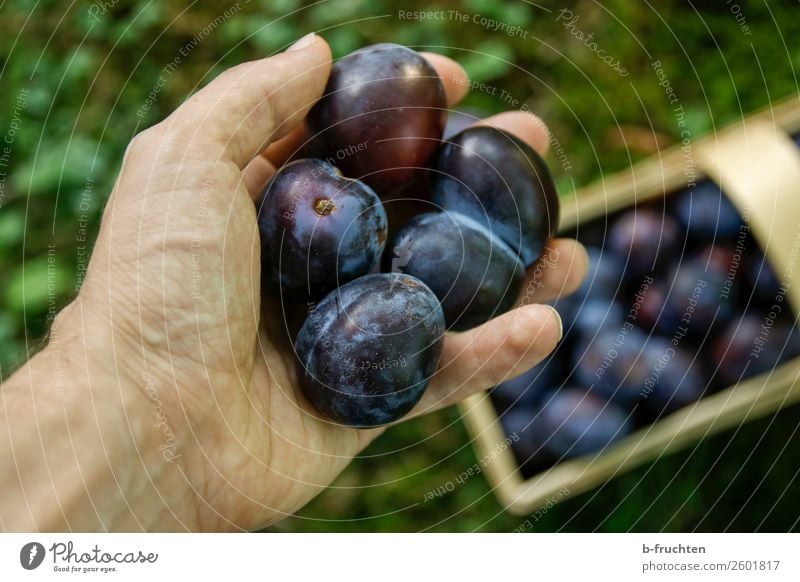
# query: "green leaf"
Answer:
x=279 y=7
x=38 y=284
x=12 y=228
x=66 y=164
x=269 y=36
x=490 y=60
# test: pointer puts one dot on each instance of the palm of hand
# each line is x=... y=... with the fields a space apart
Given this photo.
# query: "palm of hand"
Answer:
x=251 y=445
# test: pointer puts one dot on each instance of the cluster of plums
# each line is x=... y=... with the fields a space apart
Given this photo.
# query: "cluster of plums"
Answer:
x=678 y=302
x=391 y=234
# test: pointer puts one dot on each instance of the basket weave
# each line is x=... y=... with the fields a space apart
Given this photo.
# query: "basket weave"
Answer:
x=757 y=165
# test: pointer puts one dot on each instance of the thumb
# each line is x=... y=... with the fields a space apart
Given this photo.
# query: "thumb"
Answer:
x=255 y=103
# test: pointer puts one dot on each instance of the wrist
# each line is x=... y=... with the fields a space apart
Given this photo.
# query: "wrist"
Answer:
x=84 y=445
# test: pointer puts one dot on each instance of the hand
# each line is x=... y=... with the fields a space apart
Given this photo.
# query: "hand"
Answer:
x=196 y=394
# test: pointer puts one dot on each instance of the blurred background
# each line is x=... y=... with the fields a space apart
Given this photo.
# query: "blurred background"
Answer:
x=79 y=79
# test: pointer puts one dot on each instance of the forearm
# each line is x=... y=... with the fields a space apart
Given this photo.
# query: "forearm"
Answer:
x=78 y=447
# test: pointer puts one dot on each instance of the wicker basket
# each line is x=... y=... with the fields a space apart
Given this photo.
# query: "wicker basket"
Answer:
x=758 y=166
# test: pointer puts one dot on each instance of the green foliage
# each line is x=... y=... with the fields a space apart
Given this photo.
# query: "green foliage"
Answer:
x=33 y=284
x=74 y=77
x=61 y=166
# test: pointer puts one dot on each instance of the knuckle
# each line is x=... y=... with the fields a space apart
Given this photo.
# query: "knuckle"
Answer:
x=145 y=141
x=235 y=73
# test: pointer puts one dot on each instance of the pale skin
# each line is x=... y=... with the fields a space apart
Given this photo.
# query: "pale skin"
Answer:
x=166 y=397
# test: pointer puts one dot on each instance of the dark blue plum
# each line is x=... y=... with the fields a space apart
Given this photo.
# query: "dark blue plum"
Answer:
x=762 y=278
x=475 y=275
x=721 y=258
x=572 y=423
x=567 y=307
x=610 y=363
x=367 y=352
x=318 y=229
x=518 y=424
x=592 y=356
x=706 y=213
x=653 y=373
x=596 y=313
x=674 y=379
x=644 y=239
x=525 y=391
x=631 y=370
x=651 y=301
x=604 y=276
x=500 y=181
x=381 y=117
x=702 y=293
x=753 y=344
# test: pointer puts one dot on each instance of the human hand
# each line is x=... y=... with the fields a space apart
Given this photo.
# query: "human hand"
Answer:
x=169 y=329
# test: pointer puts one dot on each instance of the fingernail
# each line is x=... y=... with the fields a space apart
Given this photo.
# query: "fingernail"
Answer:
x=558 y=319
x=304 y=42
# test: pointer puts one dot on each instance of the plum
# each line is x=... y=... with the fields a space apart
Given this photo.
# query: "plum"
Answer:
x=597 y=313
x=318 y=229
x=604 y=275
x=762 y=278
x=518 y=424
x=609 y=364
x=475 y=275
x=645 y=238
x=500 y=181
x=367 y=351
x=381 y=116
x=572 y=422
x=674 y=379
x=706 y=213
x=651 y=309
x=525 y=391
x=752 y=344
x=702 y=293
x=629 y=369
x=604 y=278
